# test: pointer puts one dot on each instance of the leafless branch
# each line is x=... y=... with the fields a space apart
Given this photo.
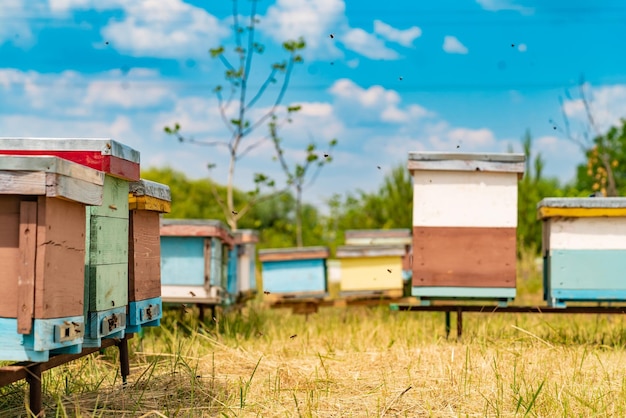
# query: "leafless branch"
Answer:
x=262 y=89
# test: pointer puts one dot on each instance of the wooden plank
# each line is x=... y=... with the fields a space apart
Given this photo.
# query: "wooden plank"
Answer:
x=108 y=286
x=464 y=257
x=363 y=251
x=144 y=252
x=149 y=203
x=473 y=199
x=376 y=233
x=547 y=212
x=73 y=189
x=149 y=188
x=460 y=292
x=466 y=156
x=102 y=154
x=23 y=182
x=9 y=254
x=467 y=165
x=285 y=254
x=26 y=279
x=583 y=203
x=115 y=199
x=108 y=240
x=50 y=164
x=587 y=233
x=197 y=228
x=60 y=262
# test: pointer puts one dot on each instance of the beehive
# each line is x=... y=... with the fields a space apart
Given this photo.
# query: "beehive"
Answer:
x=464 y=225
x=194 y=260
x=147 y=200
x=246 y=241
x=106 y=273
x=42 y=254
x=381 y=237
x=584 y=249
x=295 y=271
x=365 y=269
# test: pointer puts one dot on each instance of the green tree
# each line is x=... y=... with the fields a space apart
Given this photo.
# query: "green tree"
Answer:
x=236 y=110
x=609 y=150
x=531 y=189
x=391 y=206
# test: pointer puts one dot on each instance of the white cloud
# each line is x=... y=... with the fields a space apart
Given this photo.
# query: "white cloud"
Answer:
x=315 y=20
x=15 y=27
x=522 y=48
x=164 y=28
x=154 y=28
x=607 y=104
x=403 y=37
x=453 y=46
x=498 y=5
x=368 y=45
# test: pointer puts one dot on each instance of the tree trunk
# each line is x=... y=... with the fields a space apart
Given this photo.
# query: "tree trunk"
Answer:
x=611 y=187
x=299 y=217
x=231 y=217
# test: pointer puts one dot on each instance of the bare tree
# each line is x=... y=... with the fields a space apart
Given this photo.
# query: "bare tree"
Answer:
x=592 y=142
x=297 y=175
x=236 y=101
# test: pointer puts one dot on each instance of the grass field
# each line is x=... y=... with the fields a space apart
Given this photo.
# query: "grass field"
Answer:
x=352 y=362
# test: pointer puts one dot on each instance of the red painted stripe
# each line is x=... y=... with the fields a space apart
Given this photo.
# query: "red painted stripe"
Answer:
x=115 y=166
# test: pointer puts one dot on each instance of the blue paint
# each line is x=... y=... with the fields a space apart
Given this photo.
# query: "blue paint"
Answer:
x=144 y=313
x=586 y=270
x=407 y=275
x=445 y=292
x=39 y=344
x=216 y=264
x=233 y=275
x=94 y=332
x=182 y=261
x=294 y=276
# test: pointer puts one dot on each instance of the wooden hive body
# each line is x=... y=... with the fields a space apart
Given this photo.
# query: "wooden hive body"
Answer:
x=106 y=259
x=194 y=260
x=367 y=268
x=42 y=254
x=147 y=200
x=584 y=249
x=295 y=271
x=246 y=241
x=464 y=225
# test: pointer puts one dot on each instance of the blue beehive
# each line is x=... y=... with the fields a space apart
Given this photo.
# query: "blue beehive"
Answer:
x=584 y=249
x=194 y=260
x=295 y=271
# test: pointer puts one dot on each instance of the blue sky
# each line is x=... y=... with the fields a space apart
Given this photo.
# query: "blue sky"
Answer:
x=396 y=76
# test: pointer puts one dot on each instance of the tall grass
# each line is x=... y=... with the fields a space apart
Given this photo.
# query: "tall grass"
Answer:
x=352 y=362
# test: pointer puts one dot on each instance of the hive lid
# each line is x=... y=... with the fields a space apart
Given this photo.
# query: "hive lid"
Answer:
x=469 y=161
x=377 y=236
x=150 y=188
x=293 y=253
x=90 y=152
x=197 y=228
x=577 y=207
x=346 y=251
x=50 y=176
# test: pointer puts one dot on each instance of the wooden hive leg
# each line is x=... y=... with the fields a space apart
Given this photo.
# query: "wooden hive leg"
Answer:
x=447 y=324
x=124 y=359
x=459 y=323
x=34 y=382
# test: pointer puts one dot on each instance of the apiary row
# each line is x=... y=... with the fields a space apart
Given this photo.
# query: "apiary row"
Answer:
x=463 y=244
x=79 y=245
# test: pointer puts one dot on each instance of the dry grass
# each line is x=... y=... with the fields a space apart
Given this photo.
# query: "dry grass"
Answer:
x=354 y=362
